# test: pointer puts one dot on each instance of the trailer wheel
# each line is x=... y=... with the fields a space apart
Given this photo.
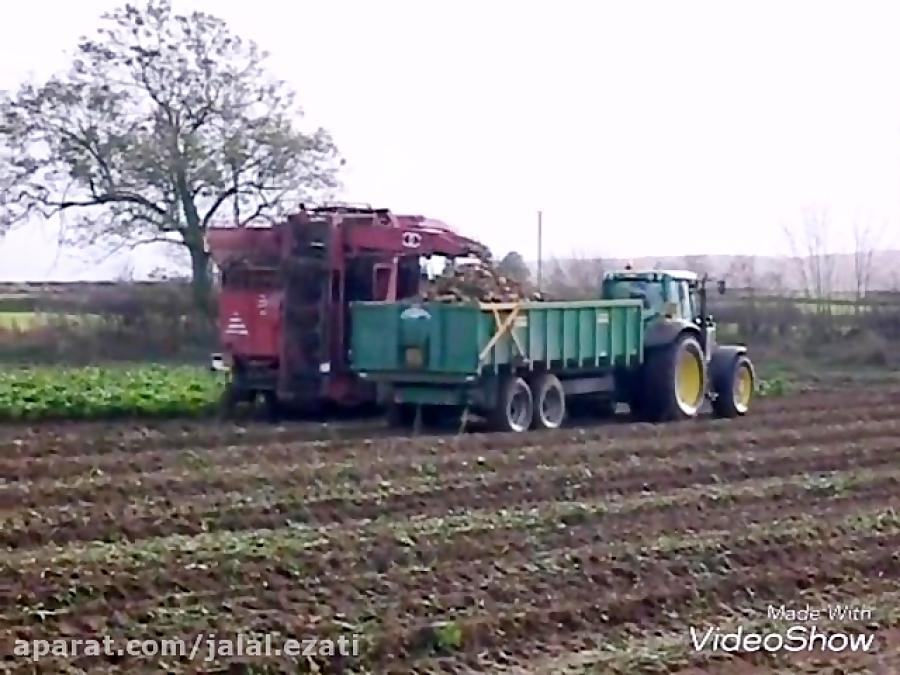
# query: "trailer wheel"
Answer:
x=515 y=406
x=676 y=381
x=549 y=402
x=735 y=390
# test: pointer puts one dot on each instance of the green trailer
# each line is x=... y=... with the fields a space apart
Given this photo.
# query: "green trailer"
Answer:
x=523 y=365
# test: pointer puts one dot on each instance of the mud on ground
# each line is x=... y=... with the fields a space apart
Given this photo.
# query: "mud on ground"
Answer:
x=588 y=550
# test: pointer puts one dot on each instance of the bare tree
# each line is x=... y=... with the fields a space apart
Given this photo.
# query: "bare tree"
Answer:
x=774 y=281
x=810 y=248
x=865 y=239
x=575 y=277
x=742 y=272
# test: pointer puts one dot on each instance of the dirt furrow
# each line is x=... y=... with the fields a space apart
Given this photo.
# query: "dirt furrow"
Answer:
x=667 y=648
x=169 y=483
x=447 y=551
x=62 y=525
x=650 y=607
x=69 y=593
x=544 y=602
x=381 y=543
x=795 y=410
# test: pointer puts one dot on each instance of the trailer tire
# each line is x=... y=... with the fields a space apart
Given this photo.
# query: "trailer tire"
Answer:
x=549 y=402
x=734 y=388
x=675 y=382
x=515 y=406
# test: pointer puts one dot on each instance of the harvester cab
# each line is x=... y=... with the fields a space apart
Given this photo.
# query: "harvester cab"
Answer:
x=284 y=316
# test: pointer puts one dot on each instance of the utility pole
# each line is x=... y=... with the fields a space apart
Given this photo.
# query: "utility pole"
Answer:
x=540 y=251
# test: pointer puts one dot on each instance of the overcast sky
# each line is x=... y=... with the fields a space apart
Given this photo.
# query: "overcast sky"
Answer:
x=639 y=128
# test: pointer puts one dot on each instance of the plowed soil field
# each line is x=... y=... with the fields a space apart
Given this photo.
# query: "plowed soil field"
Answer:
x=592 y=550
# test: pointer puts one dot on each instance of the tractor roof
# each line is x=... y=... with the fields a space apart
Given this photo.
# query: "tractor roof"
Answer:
x=687 y=275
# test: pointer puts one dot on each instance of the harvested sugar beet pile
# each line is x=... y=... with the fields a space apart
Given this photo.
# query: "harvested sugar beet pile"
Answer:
x=478 y=281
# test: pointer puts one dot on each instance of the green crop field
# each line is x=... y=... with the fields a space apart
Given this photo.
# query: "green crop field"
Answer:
x=20 y=320
x=28 y=320
x=104 y=392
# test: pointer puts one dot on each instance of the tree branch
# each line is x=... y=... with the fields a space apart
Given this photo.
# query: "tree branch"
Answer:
x=100 y=200
x=221 y=199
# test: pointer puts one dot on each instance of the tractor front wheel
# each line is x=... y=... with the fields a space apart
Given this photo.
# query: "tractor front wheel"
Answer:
x=734 y=391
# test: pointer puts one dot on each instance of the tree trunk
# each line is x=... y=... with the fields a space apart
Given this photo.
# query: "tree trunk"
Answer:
x=193 y=232
x=201 y=278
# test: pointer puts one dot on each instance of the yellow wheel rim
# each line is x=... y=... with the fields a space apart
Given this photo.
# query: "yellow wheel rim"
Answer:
x=689 y=386
x=743 y=388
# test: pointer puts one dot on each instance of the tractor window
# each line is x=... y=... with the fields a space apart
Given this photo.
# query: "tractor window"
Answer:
x=695 y=303
x=650 y=292
x=686 y=301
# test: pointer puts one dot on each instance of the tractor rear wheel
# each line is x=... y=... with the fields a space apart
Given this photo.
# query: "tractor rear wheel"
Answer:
x=734 y=391
x=514 y=410
x=549 y=402
x=676 y=381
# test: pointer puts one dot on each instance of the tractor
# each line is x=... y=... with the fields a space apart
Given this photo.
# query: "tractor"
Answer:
x=680 y=347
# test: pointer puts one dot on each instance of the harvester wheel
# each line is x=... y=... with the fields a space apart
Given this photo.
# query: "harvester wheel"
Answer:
x=734 y=391
x=229 y=401
x=272 y=408
x=515 y=406
x=676 y=381
x=549 y=402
